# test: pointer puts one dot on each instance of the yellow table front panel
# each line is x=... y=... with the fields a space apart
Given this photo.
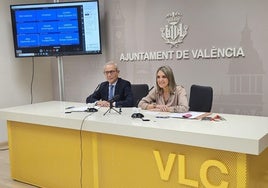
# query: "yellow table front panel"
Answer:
x=52 y=157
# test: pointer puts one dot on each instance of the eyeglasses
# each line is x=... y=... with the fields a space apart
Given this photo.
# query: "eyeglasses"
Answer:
x=109 y=72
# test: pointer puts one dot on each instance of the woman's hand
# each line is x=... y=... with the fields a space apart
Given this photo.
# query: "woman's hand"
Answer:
x=162 y=108
x=159 y=108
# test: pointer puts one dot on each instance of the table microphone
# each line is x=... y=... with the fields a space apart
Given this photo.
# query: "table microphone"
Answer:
x=114 y=99
x=97 y=88
x=151 y=89
x=140 y=115
x=92 y=109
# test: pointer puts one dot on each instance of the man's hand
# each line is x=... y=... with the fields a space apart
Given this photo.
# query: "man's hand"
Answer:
x=103 y=103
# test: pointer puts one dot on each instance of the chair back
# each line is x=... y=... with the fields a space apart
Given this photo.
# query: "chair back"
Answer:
x=201 y=98
x=139 y=91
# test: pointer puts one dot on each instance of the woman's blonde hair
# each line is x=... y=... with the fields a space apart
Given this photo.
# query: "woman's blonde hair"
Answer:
x=170 y=76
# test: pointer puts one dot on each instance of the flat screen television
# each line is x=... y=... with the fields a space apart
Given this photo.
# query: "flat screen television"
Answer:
x=56 y=29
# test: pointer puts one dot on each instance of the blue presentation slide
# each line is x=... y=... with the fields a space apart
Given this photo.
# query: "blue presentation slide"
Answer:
x=29 y=40
x=23 y=16
x=67 y=13
x=27 y=28
x=67 y=39
x=47 y=27
x=49 y=40
x=68 y=26
x=46 y=15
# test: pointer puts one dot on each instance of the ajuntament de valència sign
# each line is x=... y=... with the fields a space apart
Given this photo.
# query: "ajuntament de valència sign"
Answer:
x=213 y=53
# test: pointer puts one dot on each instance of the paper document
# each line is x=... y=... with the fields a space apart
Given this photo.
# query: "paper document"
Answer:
x=189 y=115
x=80 y=109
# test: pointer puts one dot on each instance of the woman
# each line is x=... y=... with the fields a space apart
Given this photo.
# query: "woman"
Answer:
x=166 y=96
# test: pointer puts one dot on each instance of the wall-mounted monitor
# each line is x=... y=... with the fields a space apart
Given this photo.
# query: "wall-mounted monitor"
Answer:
x=56 y=29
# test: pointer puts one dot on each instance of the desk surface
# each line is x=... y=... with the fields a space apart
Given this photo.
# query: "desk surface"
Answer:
x=239 y=133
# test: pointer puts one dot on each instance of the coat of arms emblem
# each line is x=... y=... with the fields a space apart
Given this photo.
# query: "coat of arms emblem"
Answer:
x=174 y=32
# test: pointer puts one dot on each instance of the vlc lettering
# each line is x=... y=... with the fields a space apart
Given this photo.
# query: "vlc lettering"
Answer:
x=165 y=170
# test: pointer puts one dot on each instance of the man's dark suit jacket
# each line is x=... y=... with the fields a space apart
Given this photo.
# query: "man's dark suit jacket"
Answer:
x=122 y=88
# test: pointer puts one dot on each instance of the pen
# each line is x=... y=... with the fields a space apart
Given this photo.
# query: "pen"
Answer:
x=70 y=107
x=162 y=116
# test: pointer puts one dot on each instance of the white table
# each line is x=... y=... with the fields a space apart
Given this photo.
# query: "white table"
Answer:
x=113 y=141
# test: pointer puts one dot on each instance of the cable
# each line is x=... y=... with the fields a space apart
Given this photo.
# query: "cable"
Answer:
x=32 y=80
x=81 y=150
x=4 y=149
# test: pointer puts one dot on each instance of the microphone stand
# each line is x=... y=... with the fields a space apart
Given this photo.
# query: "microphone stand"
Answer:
x=111 y=108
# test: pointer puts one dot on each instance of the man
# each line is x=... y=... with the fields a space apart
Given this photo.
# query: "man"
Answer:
x=114 y=86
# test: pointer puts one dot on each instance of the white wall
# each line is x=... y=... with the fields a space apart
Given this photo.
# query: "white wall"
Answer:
x=16 y=73
x=240 y=84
